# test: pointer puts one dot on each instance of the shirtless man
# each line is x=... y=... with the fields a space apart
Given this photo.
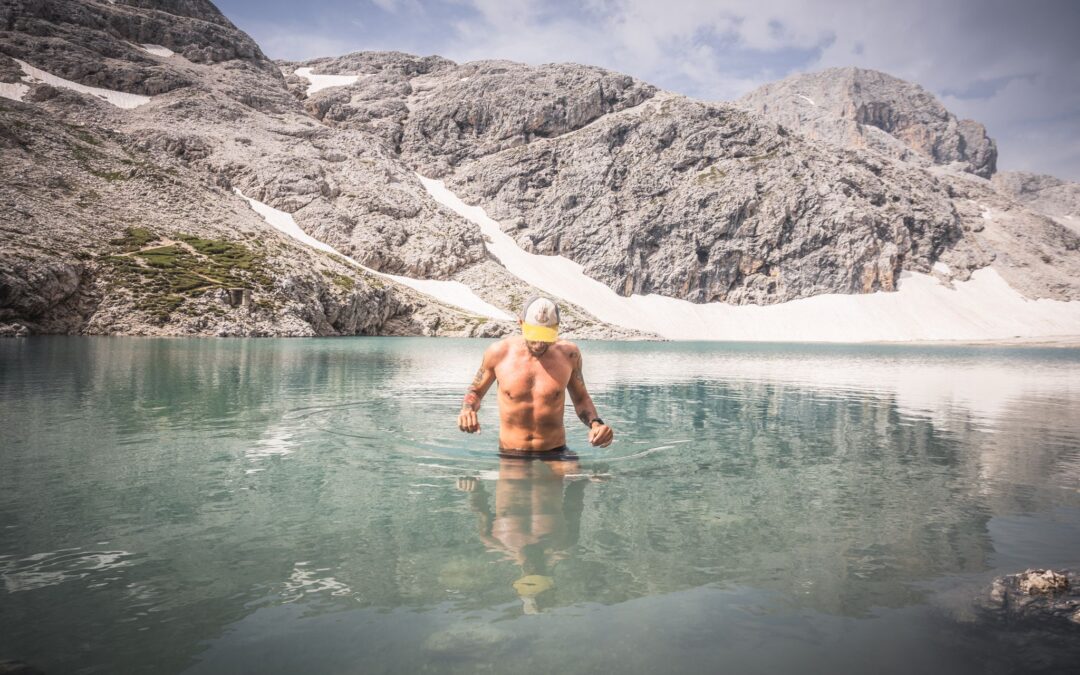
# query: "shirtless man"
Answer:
x=534 y=370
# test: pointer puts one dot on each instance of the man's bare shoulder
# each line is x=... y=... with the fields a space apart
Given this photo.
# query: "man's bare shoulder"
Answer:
x=568 y=349
x=497 y=351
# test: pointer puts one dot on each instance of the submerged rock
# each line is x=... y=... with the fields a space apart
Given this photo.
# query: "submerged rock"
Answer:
x=1034 y=582
x=463 y=639
x=1036 y=595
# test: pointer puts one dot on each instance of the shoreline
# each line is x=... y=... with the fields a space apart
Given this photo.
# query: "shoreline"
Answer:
x=1047 y=342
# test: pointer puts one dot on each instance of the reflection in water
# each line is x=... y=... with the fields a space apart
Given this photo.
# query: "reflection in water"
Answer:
x=535 y=522
x=187 y=500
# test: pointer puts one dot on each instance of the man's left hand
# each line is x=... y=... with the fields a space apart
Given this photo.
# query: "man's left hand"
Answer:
x=601 y=435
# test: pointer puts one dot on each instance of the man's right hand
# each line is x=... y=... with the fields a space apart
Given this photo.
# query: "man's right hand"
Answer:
x=468 y=422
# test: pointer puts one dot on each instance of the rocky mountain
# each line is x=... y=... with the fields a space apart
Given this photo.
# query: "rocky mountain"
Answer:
x=651 y=194
x=859 y=108
x=138 y=135
x=1009 y=222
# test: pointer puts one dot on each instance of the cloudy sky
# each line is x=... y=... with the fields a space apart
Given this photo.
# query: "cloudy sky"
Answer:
x=1012 y=65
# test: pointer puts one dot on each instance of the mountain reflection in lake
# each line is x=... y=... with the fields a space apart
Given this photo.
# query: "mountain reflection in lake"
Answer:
x=309 y=505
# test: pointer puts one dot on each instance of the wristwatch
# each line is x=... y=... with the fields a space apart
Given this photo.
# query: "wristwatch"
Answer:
x=595 y=419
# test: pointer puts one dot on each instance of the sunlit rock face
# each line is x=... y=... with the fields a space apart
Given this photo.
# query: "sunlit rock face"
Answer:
x=859 y=108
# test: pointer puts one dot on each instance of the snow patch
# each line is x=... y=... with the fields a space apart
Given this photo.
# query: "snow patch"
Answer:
x=942 y=268
x=320 y=82
x=807 y=99
x=13 y=90
x=158 y=50
x=450 y=292
x=985 y=307
x=986 y=215
x=117 y=98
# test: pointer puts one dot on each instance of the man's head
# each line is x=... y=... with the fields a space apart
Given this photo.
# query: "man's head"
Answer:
x=539 y=324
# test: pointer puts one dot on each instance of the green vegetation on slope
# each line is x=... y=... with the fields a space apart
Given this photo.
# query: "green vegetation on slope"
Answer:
x=162 y=278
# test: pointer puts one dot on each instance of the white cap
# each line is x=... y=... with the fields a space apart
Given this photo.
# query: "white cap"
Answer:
x=540 y=311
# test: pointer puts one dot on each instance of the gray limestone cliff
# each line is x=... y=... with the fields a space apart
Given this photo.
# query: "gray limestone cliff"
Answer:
x=650 y=193
x=1016 y=223
x=855 y=107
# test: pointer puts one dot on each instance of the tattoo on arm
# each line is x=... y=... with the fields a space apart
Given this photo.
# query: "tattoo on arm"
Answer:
x=475 y=391
x=583 y=404
x=478 y=379
x=471 y=402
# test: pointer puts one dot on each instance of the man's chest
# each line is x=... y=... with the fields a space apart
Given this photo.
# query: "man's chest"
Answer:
x=532 y=380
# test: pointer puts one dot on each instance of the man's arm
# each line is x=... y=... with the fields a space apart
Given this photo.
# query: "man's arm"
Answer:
x=599 y=433
x=485 y=377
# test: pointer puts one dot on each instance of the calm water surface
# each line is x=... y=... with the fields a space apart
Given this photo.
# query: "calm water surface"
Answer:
x=283 y=506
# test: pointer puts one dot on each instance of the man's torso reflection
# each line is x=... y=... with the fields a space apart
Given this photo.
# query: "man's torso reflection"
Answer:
x=536 y=518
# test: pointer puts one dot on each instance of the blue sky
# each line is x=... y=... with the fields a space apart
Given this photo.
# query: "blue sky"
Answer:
x=1012 y=65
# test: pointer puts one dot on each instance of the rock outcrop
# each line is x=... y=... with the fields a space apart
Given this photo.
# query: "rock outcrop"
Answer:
x=437 y=114
x=1037 y=255
x=1016 y=223
x=1036 y=596
x=855 y=107
x=106 y=240
x=98 y=43
x=707 y=203
x=1050 y=196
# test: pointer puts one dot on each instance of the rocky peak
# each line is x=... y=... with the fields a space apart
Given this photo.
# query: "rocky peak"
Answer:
x=102 y=44
x=440 y=114
x=856 y=107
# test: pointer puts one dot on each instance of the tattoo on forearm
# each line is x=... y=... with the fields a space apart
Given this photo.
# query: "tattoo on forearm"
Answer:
x=585 y=418
x=472 y=401
x=473 y=396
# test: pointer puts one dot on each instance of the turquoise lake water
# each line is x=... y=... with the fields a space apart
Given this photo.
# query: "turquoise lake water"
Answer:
x=285 y=506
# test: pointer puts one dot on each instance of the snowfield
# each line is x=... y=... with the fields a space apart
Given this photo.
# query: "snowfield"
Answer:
x=320 y=82
x=13 y=90
x=158 y=50
x=117 y=98
x=983 y=308
x=450 y=292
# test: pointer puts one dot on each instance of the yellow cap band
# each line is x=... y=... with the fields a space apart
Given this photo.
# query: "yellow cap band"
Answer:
x=533 y=585
x=540 y=333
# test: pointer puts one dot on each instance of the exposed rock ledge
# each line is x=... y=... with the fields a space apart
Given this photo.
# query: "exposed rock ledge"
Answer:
x=1037 y=595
